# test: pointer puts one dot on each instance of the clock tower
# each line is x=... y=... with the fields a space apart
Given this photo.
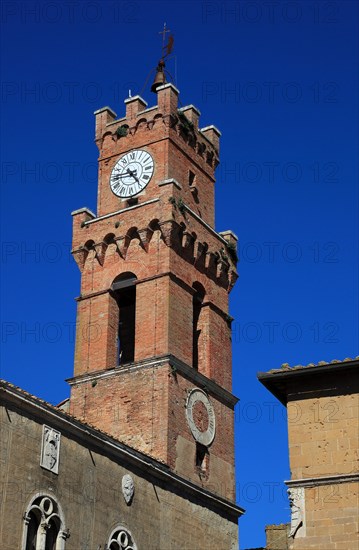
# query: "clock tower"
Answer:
x=153 y=334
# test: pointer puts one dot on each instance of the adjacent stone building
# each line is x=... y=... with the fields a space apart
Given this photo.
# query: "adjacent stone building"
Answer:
x=142 y=454
x=323 y=428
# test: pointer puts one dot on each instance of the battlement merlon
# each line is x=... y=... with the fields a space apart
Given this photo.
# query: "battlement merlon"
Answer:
x=167 y=104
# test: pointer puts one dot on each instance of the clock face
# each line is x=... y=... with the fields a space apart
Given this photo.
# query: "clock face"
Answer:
x=200 y=417
x=131 y=173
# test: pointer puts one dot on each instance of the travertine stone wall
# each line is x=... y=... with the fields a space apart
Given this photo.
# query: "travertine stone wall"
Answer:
x=323 y=443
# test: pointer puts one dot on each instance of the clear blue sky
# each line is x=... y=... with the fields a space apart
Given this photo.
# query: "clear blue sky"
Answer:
x=280 y=81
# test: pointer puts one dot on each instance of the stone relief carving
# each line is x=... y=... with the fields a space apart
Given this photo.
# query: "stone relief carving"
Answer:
x=128 y=488
x=297 y=505
x=50 y=449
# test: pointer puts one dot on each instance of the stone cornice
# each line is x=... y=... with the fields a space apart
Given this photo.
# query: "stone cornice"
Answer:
x=83 y=210
x=223 y=395
x=302 y=381
x=103 y=443
x=202 y=222
x=323 y=480
x=105 y=216
x=205 y=383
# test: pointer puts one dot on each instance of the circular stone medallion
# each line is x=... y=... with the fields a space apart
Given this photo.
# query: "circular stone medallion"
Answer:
x=195 y=398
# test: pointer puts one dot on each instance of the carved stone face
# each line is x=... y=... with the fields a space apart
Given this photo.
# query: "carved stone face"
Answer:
x=128 y=488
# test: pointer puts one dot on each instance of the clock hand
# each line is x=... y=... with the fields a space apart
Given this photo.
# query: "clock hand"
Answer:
x=133 y=174
x=118 y=176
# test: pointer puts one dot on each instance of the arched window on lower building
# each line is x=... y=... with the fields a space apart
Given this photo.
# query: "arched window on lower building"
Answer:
x=124 y=291
x=44 y=526
x=121 y=539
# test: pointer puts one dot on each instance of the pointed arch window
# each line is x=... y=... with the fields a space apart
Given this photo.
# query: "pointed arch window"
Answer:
x=124 y=292
x=44 y=526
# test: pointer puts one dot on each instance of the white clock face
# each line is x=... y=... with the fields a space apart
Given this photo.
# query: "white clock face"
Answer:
x=131 y=173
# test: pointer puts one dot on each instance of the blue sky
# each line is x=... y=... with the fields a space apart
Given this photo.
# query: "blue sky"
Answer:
x=280 y=82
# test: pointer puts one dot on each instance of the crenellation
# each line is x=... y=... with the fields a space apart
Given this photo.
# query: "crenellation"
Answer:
x=134 y=106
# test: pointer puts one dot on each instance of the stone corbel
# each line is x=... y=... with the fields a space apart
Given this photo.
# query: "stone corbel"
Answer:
x=222 y=268
x=91 y=256
x=199 y=250
x=168 y=120
x=170 y=232
x=100 y=249
x=201 y=148
x=209 y=157
x=80 y=256
x=211 y=263
x=232 y=278
x=145 y=235
x=173 y=120
x=122 y=246
x=192 y=140
x=187 y=239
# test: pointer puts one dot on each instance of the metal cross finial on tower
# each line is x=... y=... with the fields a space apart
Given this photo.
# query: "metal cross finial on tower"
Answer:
x=165 y=30
x=160 y=77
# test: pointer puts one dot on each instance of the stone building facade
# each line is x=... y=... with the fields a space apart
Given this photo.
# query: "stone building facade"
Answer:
x=142 y=454
x=323 y=428
x=82 y=498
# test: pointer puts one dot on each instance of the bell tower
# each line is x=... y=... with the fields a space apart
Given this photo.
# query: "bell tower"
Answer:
x=153 y=339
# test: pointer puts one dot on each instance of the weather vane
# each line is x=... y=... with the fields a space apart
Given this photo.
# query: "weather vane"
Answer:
x=166 y=49
x=160 y=77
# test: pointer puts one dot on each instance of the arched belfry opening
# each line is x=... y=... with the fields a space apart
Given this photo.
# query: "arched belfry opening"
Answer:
x=124 y=292
x=197 y=301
